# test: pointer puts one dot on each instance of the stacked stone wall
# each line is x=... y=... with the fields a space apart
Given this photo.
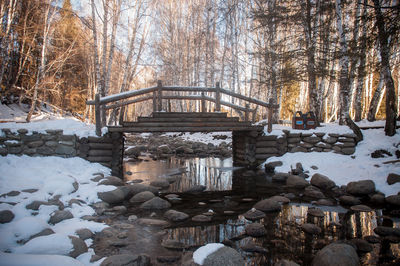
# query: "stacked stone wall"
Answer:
x=106 y=150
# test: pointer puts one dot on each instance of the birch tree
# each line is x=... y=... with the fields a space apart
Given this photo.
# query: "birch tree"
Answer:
x=384 y=49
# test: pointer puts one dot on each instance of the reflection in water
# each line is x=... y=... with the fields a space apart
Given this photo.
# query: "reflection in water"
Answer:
x=214 y=173
x=284 y=239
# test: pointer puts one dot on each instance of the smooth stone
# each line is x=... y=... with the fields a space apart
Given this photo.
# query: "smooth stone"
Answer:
x=168 y=259
x=254 y=214
x=372 y=239
x=79 y=246
x=322 y=182
x=325 y=202
x=313 y=192
x=349 y=200
x=296 y=182
x=162 y=183
x=112 y=181
x=152 y=222
x=201 y=218
x=362 y=245
x=255 y=230
x=316 y=212
x=336 y=254
x=363 y=187
x=360 y=208
x=280 y=177
x=142 y=197
x=393 y=200
x=250 y=246
x=175 y=216
x=387 y=231
x=173 y=244
x=393 y=178
x=224 y=256
x=280 y=199
x=6 y=216
x=155 y=203
x=171 y=196
x=114 y=196
x=126 y=259
x=84 y=233
x=268 y=205
x=137 y=188
x=311 y=229
x=59 y=216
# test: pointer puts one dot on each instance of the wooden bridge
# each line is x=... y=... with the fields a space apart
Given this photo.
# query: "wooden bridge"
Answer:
x=163 y=120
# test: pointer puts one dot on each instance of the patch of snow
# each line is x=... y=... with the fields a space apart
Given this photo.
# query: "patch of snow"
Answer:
x=326 y=128
x=201 y=253
x=55 y=244
x=203 y=137
x=10 y=259
x=70 y=126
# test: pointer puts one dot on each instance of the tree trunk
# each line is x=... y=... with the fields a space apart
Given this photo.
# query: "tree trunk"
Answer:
x=361 y=67
x=391 y=109
x=344 y=81
x=373 y=106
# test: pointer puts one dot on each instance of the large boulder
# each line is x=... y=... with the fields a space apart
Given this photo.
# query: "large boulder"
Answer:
x=126 y=259
x=296 y=181
x=114 y=196
x=268 y=205
x=321 y=181
x=79 y=246
x=155 y=203
x=219 y=255
x=363 y=187
x=336 y=254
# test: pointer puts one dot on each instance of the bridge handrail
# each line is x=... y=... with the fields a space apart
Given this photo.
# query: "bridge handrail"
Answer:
x=158 y=97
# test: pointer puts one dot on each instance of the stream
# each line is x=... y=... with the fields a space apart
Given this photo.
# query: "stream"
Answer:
x=230 y=192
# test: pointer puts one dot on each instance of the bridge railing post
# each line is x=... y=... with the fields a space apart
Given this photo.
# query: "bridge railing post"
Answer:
x=97 y=113
x=246 y=113
x=159 y=96
x=217 y=98
x=203 y=102
x=155 y=101
x=270 y=113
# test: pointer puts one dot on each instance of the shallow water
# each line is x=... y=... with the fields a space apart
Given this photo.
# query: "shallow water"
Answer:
x=237 y=190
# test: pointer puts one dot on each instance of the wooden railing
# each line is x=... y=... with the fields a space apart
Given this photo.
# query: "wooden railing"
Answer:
x=156 y=94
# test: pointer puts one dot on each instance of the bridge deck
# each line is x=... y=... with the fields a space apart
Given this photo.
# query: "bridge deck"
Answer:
x=185 y=122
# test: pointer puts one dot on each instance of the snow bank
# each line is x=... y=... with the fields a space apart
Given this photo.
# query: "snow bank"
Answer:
x=46 y=177
x=203 y=137
x=201 y=253
x=8 y=259
x=343 y=169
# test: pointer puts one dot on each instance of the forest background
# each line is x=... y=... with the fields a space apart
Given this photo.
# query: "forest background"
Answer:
x=336 y=58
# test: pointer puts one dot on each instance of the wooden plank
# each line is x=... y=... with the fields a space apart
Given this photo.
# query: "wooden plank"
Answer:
x=92 y=139
x=122 y=95
x=136 y=100
x=99 y=159
x=179 y=119
x=266 y=144
x=100 y=153
x=188 y=124
x=187 y=114
x=181 y=129
x=101 y=146
x=251 y=100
